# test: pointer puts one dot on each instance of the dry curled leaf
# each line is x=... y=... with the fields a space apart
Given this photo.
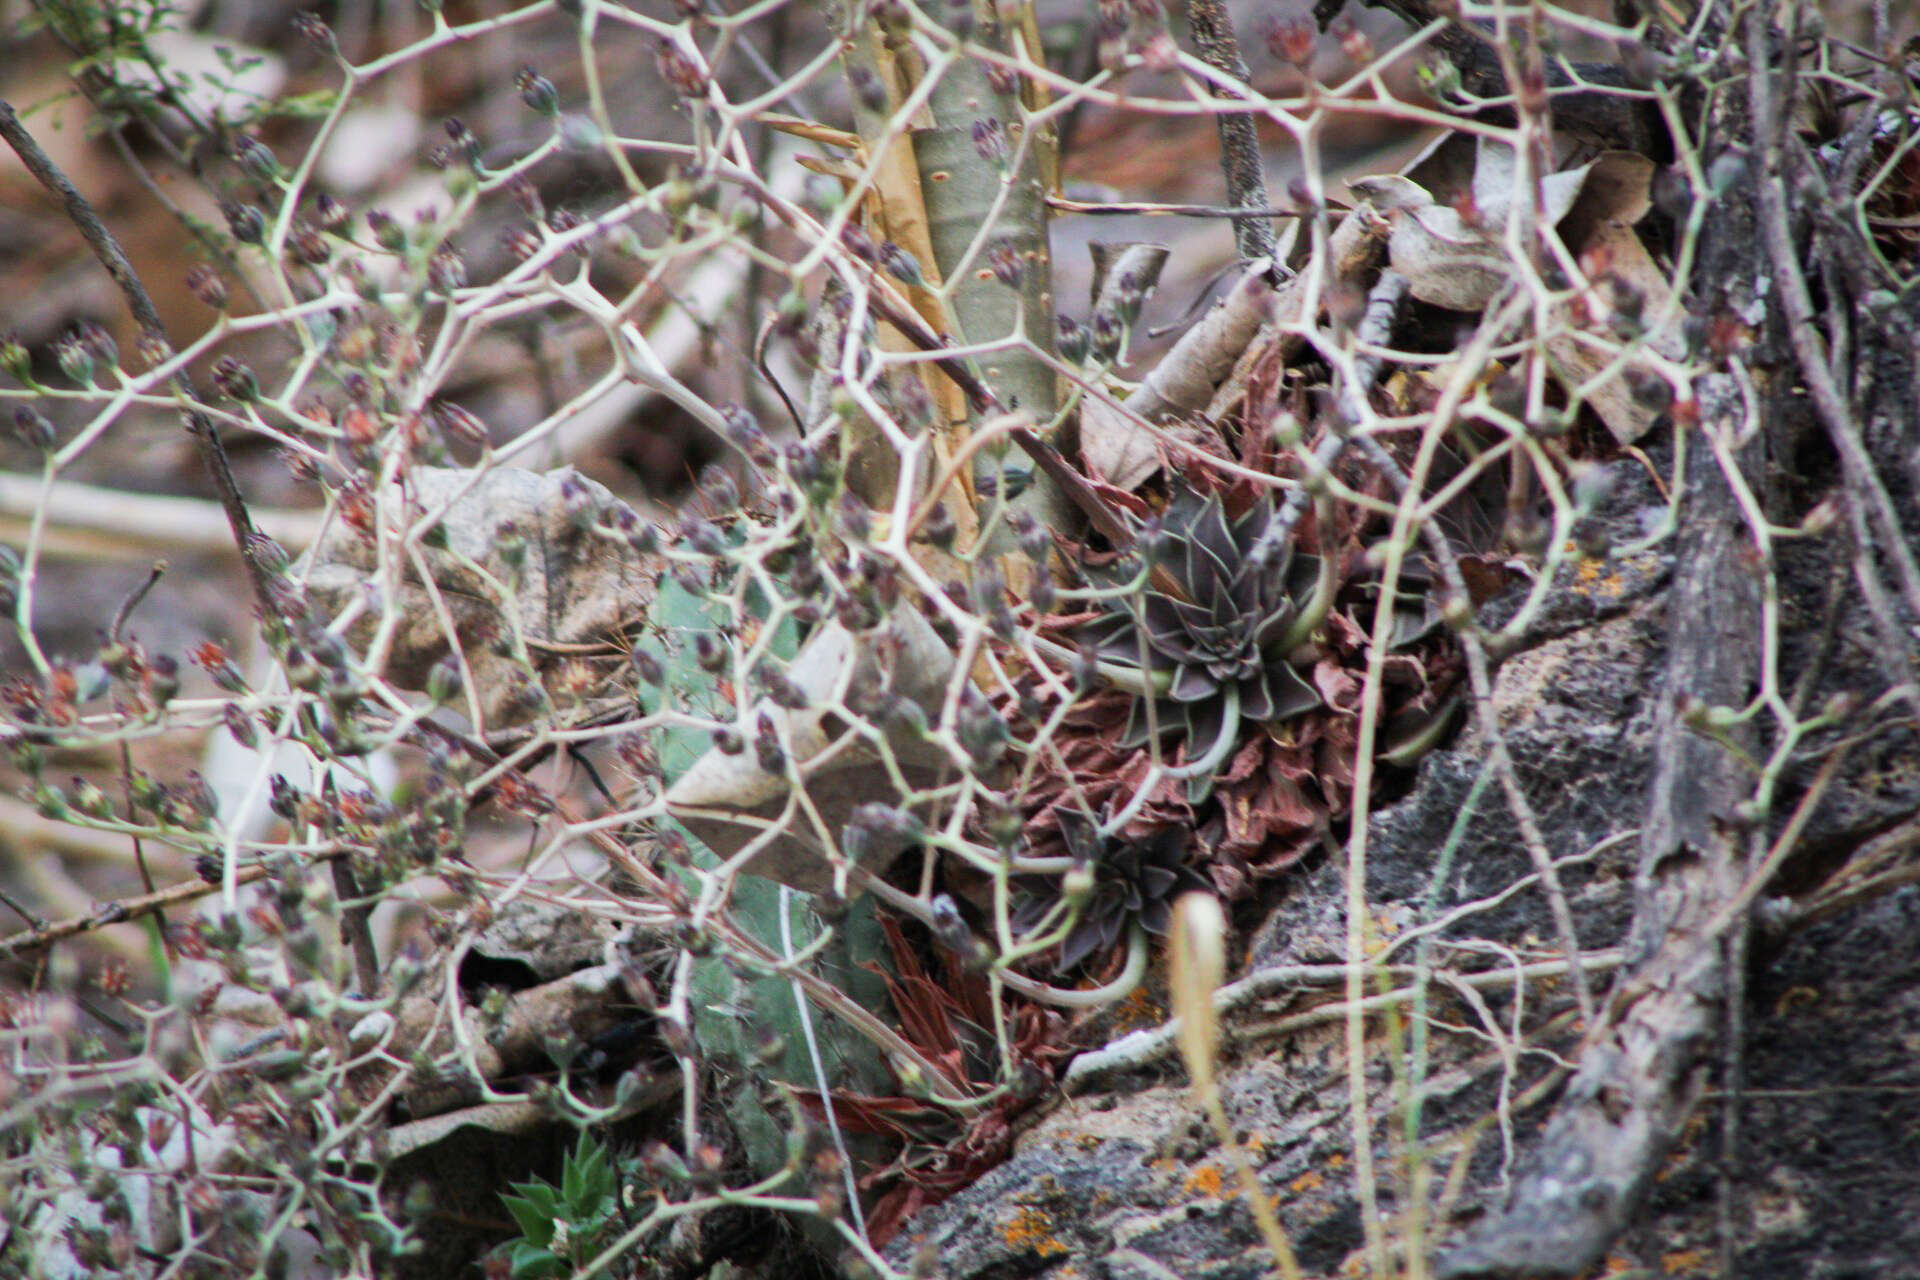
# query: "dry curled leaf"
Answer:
x=1450 y=239
x=573 y=587
x=1455 y=255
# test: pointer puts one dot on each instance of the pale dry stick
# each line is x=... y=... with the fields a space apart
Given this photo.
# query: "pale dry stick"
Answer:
x=390 y=501
x=1356 y=380
x=1523 y=883
x=1880 y=606
x=1363 y=95
x=1600 y=961
x=1409 y=487
x=1357 y=412
x=530 y=285
x=23 y=827
x=1092 y=393
x=751 y=951
x=445 y=34
x=900 y=124
x=819 y=1066
x=1161 y=209
x=1099 y=997
x=1530 y=143
x=732 y=114
x=1478 y=667
x=1464 y=1140
x=1245 y=100
x=116 y=912
x=1629 y=1100
x=1477 y=469
x=1724 y=439
x=674 y=338
x=1140 y=1049
x=1480 y=679
x=1878 y=867
x=138 y=389
x=1506 y=1048
x=1507 y=1042
x=449 y=629
x=588 y=53
x=894 y=308
x=52 y=892
x=636 y=357
x=27 y=577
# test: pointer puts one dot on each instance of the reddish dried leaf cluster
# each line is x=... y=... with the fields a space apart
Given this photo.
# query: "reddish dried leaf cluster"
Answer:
x=942 y=1017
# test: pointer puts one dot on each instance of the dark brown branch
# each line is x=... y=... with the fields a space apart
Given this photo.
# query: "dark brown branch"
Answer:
x=116 y=913
x=1239 y=138
x=1863 y=482
x=106 y=248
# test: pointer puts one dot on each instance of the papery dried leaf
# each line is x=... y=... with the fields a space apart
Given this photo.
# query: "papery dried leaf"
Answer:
x=1119 y=450
x=1601 y=230
x=1339 y=686
x=1335 y=759
x=1457 y=259
x=575 y=587
x=926 y=1009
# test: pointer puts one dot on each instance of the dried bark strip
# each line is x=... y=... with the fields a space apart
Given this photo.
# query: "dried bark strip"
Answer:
x=1640 y=1075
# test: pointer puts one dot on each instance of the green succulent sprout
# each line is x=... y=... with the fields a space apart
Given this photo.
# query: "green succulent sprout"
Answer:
x=1131 y=879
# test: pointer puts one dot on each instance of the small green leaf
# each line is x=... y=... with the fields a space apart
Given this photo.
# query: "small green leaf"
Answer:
x=572 y=1185
x=305 y=106
x=596 y=1177
x=535 y=1222
x=531 y=1262
x=542 y=1195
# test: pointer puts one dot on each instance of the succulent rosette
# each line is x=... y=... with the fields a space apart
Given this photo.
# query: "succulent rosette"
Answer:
x=1217 y=653
x=1132 y=879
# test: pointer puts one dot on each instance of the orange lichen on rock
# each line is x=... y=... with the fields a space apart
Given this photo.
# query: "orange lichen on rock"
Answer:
x=1204 y=1180
x=1593 y=577
x=1031 y=1229
x=1139 y=1010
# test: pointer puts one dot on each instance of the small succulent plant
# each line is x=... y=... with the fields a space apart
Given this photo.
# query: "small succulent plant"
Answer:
x=1217 y=653
x=1133 y=879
